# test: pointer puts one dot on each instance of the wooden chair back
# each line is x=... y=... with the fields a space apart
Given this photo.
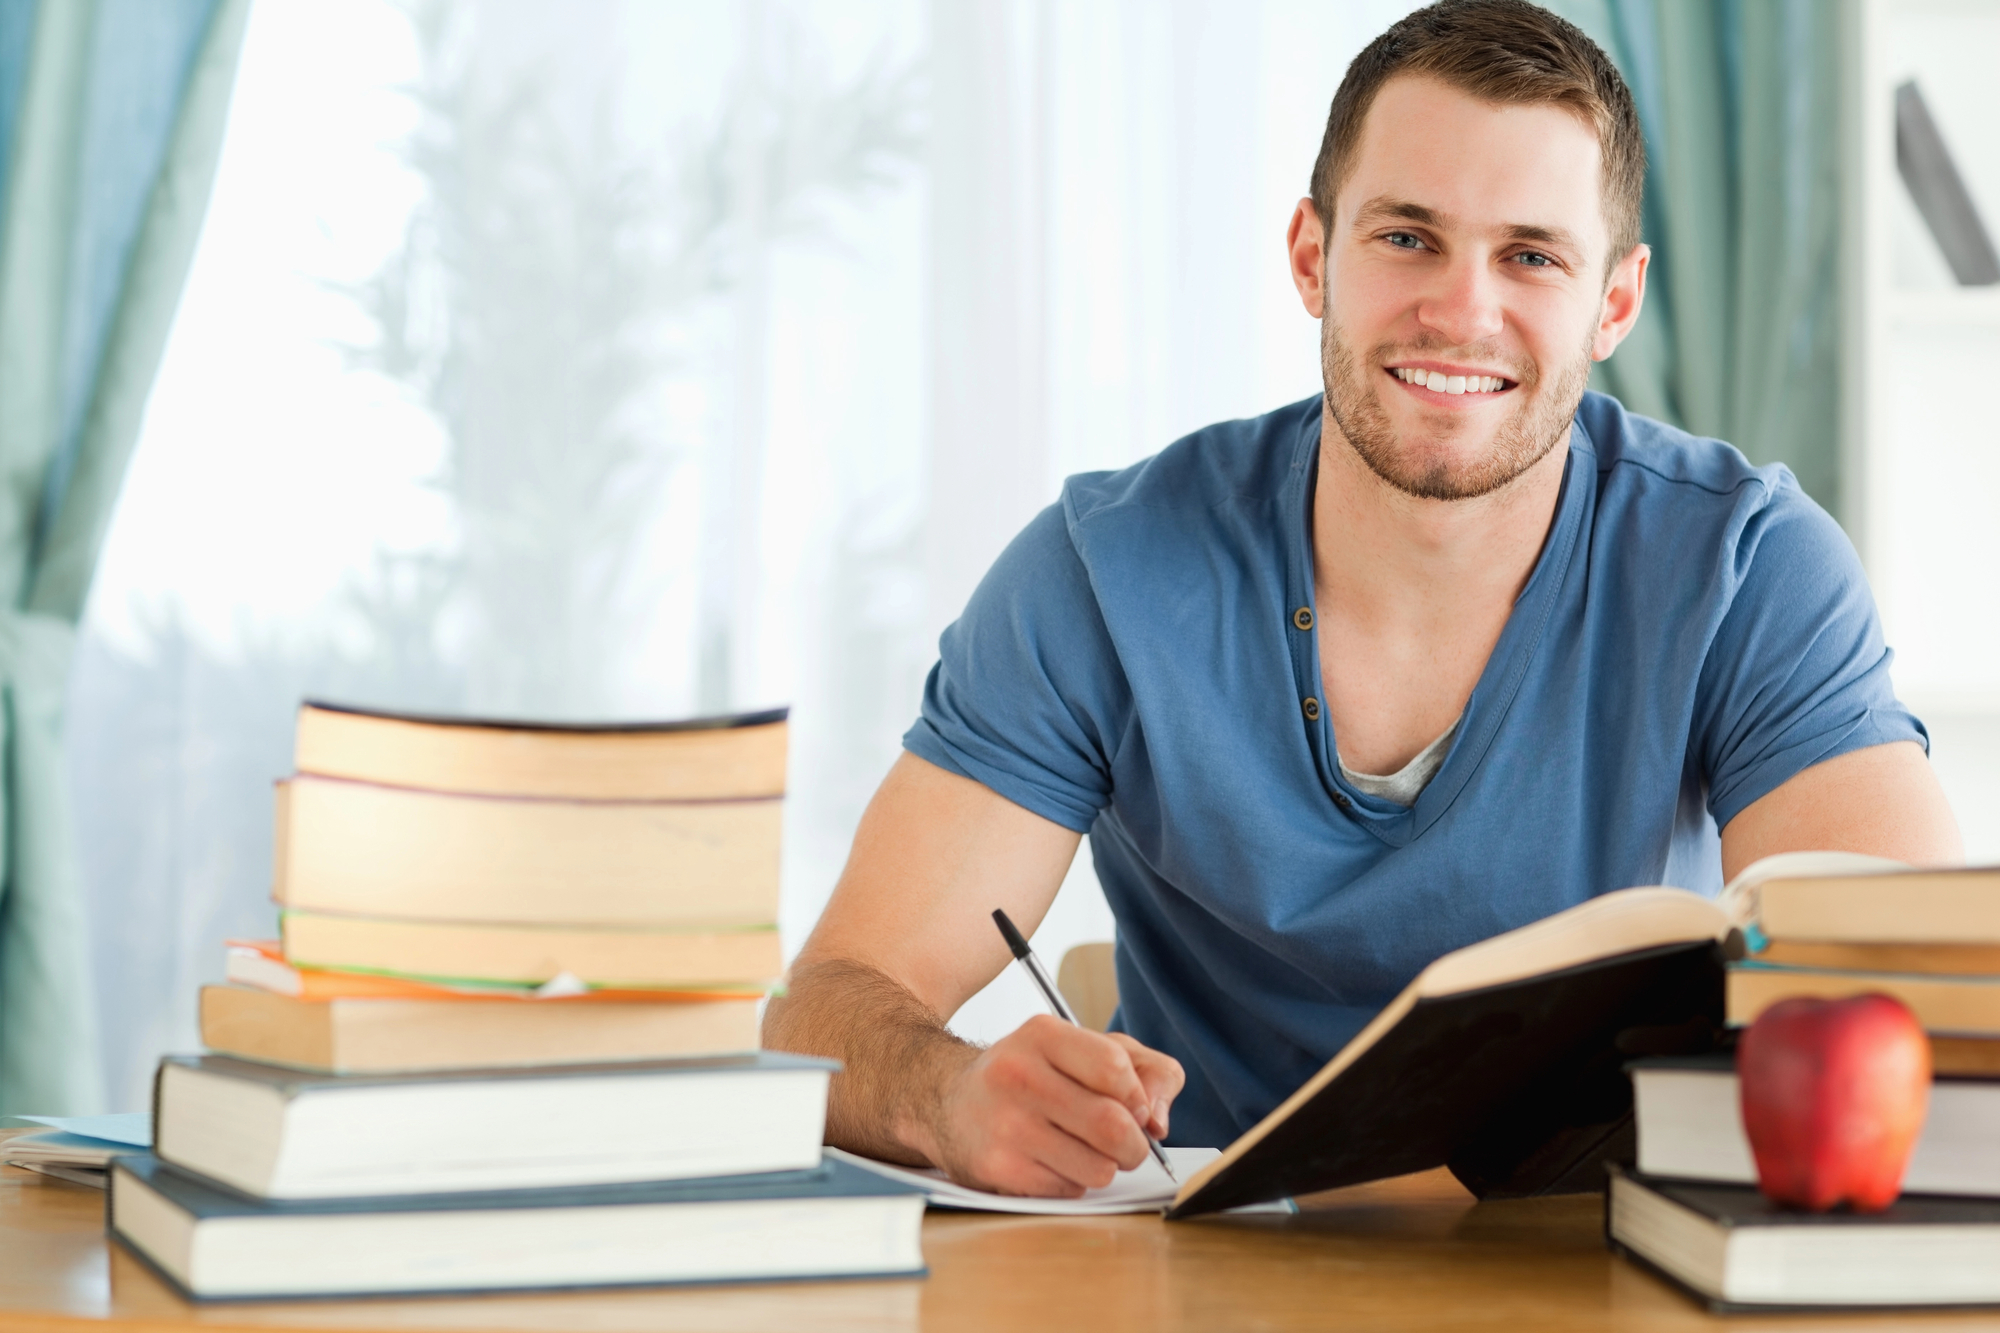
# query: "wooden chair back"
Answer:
x=1088 y=979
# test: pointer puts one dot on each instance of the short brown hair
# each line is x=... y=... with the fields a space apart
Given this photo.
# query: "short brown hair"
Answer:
x=1505 y=51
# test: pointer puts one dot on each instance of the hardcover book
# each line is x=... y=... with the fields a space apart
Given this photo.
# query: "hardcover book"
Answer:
x=507 y=954
x=1690 y=1120
x=280 y=1133
x=1907 y=906
x=833 y=1220
x=1962 y=1006
x=711 y=758
x=1737 y=1251
x=1504 y=1060
x=388 y=1034
x=369 y=849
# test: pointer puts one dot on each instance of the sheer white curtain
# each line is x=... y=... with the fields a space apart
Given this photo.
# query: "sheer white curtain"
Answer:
x=634 y=359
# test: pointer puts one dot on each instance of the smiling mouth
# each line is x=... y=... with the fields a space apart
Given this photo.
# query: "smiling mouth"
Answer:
x=1450 y=385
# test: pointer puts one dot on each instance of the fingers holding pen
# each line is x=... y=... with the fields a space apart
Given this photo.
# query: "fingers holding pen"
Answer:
x=1160 y=1074
x=1052 y=1110
x=1099 y=1064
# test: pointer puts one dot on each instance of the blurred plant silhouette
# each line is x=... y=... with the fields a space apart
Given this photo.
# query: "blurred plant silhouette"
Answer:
x=532 y=308
x=556 y=278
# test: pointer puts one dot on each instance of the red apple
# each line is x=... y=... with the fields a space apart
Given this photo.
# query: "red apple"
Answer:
x=1834 y=1095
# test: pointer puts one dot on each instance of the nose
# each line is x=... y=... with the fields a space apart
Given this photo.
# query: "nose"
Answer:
x=1464 y=306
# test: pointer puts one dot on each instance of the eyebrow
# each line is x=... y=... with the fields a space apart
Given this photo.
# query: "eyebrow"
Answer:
x=1382 y=208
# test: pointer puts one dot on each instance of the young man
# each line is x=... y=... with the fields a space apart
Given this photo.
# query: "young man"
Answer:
x=1381 y=674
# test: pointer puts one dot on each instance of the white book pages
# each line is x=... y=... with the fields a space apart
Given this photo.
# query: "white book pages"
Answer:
x=1143 y=1190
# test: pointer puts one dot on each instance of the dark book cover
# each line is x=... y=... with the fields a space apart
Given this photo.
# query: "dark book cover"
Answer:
x=1520 y=1088
x=203 y=1199
x=722 y=722
x=1740 y=1207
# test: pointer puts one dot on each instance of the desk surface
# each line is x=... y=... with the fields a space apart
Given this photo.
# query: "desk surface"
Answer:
x=1415 y=1253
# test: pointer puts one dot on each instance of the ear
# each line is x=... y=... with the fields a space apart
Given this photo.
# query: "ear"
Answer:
x=1623 y=296
x=1305 y=240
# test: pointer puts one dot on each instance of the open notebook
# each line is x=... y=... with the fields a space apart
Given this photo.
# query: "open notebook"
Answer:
x=1143 y=1190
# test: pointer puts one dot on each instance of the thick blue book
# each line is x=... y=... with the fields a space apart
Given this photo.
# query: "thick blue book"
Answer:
x=214 y=1244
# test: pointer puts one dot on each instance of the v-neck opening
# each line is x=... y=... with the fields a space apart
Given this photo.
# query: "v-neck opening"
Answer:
x=1499 y=680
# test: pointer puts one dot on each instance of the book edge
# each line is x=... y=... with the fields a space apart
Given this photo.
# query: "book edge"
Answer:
x=196 y=1298
x=1721 y=1305
x=293 y=1081
x=147 y=1170
x=712 y=722
x=516 y=798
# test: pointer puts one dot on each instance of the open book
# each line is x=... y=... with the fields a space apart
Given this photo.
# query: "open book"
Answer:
x=1505 y=1060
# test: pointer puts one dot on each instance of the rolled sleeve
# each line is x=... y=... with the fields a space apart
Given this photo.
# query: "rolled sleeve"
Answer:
x=1027 y=697
x=1798 y=672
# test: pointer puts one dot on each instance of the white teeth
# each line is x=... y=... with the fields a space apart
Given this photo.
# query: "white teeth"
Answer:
x=1441 y=383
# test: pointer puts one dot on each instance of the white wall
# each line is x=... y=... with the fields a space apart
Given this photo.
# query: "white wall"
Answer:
x=1929 y=518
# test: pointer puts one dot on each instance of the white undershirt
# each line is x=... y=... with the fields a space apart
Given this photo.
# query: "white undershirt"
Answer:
x=1408 y=782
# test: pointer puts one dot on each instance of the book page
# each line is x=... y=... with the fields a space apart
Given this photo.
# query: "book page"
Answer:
x=1144 y=1190
x=133 y=1127
x=1739 y=897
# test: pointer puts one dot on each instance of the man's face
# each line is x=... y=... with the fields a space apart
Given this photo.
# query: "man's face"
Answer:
x=1465 y=287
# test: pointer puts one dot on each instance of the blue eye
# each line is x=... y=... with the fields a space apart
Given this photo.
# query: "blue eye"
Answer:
x=1403 y=240
x=1533 y=260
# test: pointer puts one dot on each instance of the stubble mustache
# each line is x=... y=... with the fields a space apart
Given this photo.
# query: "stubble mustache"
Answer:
x=1521 y=441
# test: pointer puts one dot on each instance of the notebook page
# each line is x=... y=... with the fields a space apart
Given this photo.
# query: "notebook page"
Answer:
x=1143 y=1190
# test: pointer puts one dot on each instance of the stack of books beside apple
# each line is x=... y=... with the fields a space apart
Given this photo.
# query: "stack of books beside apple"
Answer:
x=507 y=1038
x=1847 y=1153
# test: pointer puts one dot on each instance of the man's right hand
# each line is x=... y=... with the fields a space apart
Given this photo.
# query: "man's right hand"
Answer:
x=1050 y=1110
x=1053 y=1109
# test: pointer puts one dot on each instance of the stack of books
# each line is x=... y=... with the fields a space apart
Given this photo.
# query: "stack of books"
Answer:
x=508 y=1037
x=1930 y=939
x=426 y=864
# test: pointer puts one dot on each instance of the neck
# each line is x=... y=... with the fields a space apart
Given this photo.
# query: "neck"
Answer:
x=1394 y=561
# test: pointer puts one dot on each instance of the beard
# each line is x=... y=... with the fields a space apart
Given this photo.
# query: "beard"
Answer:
x=1424 y=468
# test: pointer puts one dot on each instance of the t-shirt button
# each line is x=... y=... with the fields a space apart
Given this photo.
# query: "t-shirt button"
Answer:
x=1312 y=709
x=1303 y=617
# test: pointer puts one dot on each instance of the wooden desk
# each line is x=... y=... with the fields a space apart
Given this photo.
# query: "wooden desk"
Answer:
x=1414 y=1253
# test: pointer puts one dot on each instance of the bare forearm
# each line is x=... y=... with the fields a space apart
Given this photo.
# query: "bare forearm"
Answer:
x=897 y=1056
x=1051 y=1109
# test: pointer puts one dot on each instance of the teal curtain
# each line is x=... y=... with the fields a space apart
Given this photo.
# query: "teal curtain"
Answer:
x=111 y=119
x=1740 y=100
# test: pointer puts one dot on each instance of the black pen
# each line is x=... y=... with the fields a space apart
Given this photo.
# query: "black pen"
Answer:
x=1026 y=958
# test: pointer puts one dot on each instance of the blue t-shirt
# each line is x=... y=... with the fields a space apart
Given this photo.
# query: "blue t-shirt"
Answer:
x=1695 y=632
